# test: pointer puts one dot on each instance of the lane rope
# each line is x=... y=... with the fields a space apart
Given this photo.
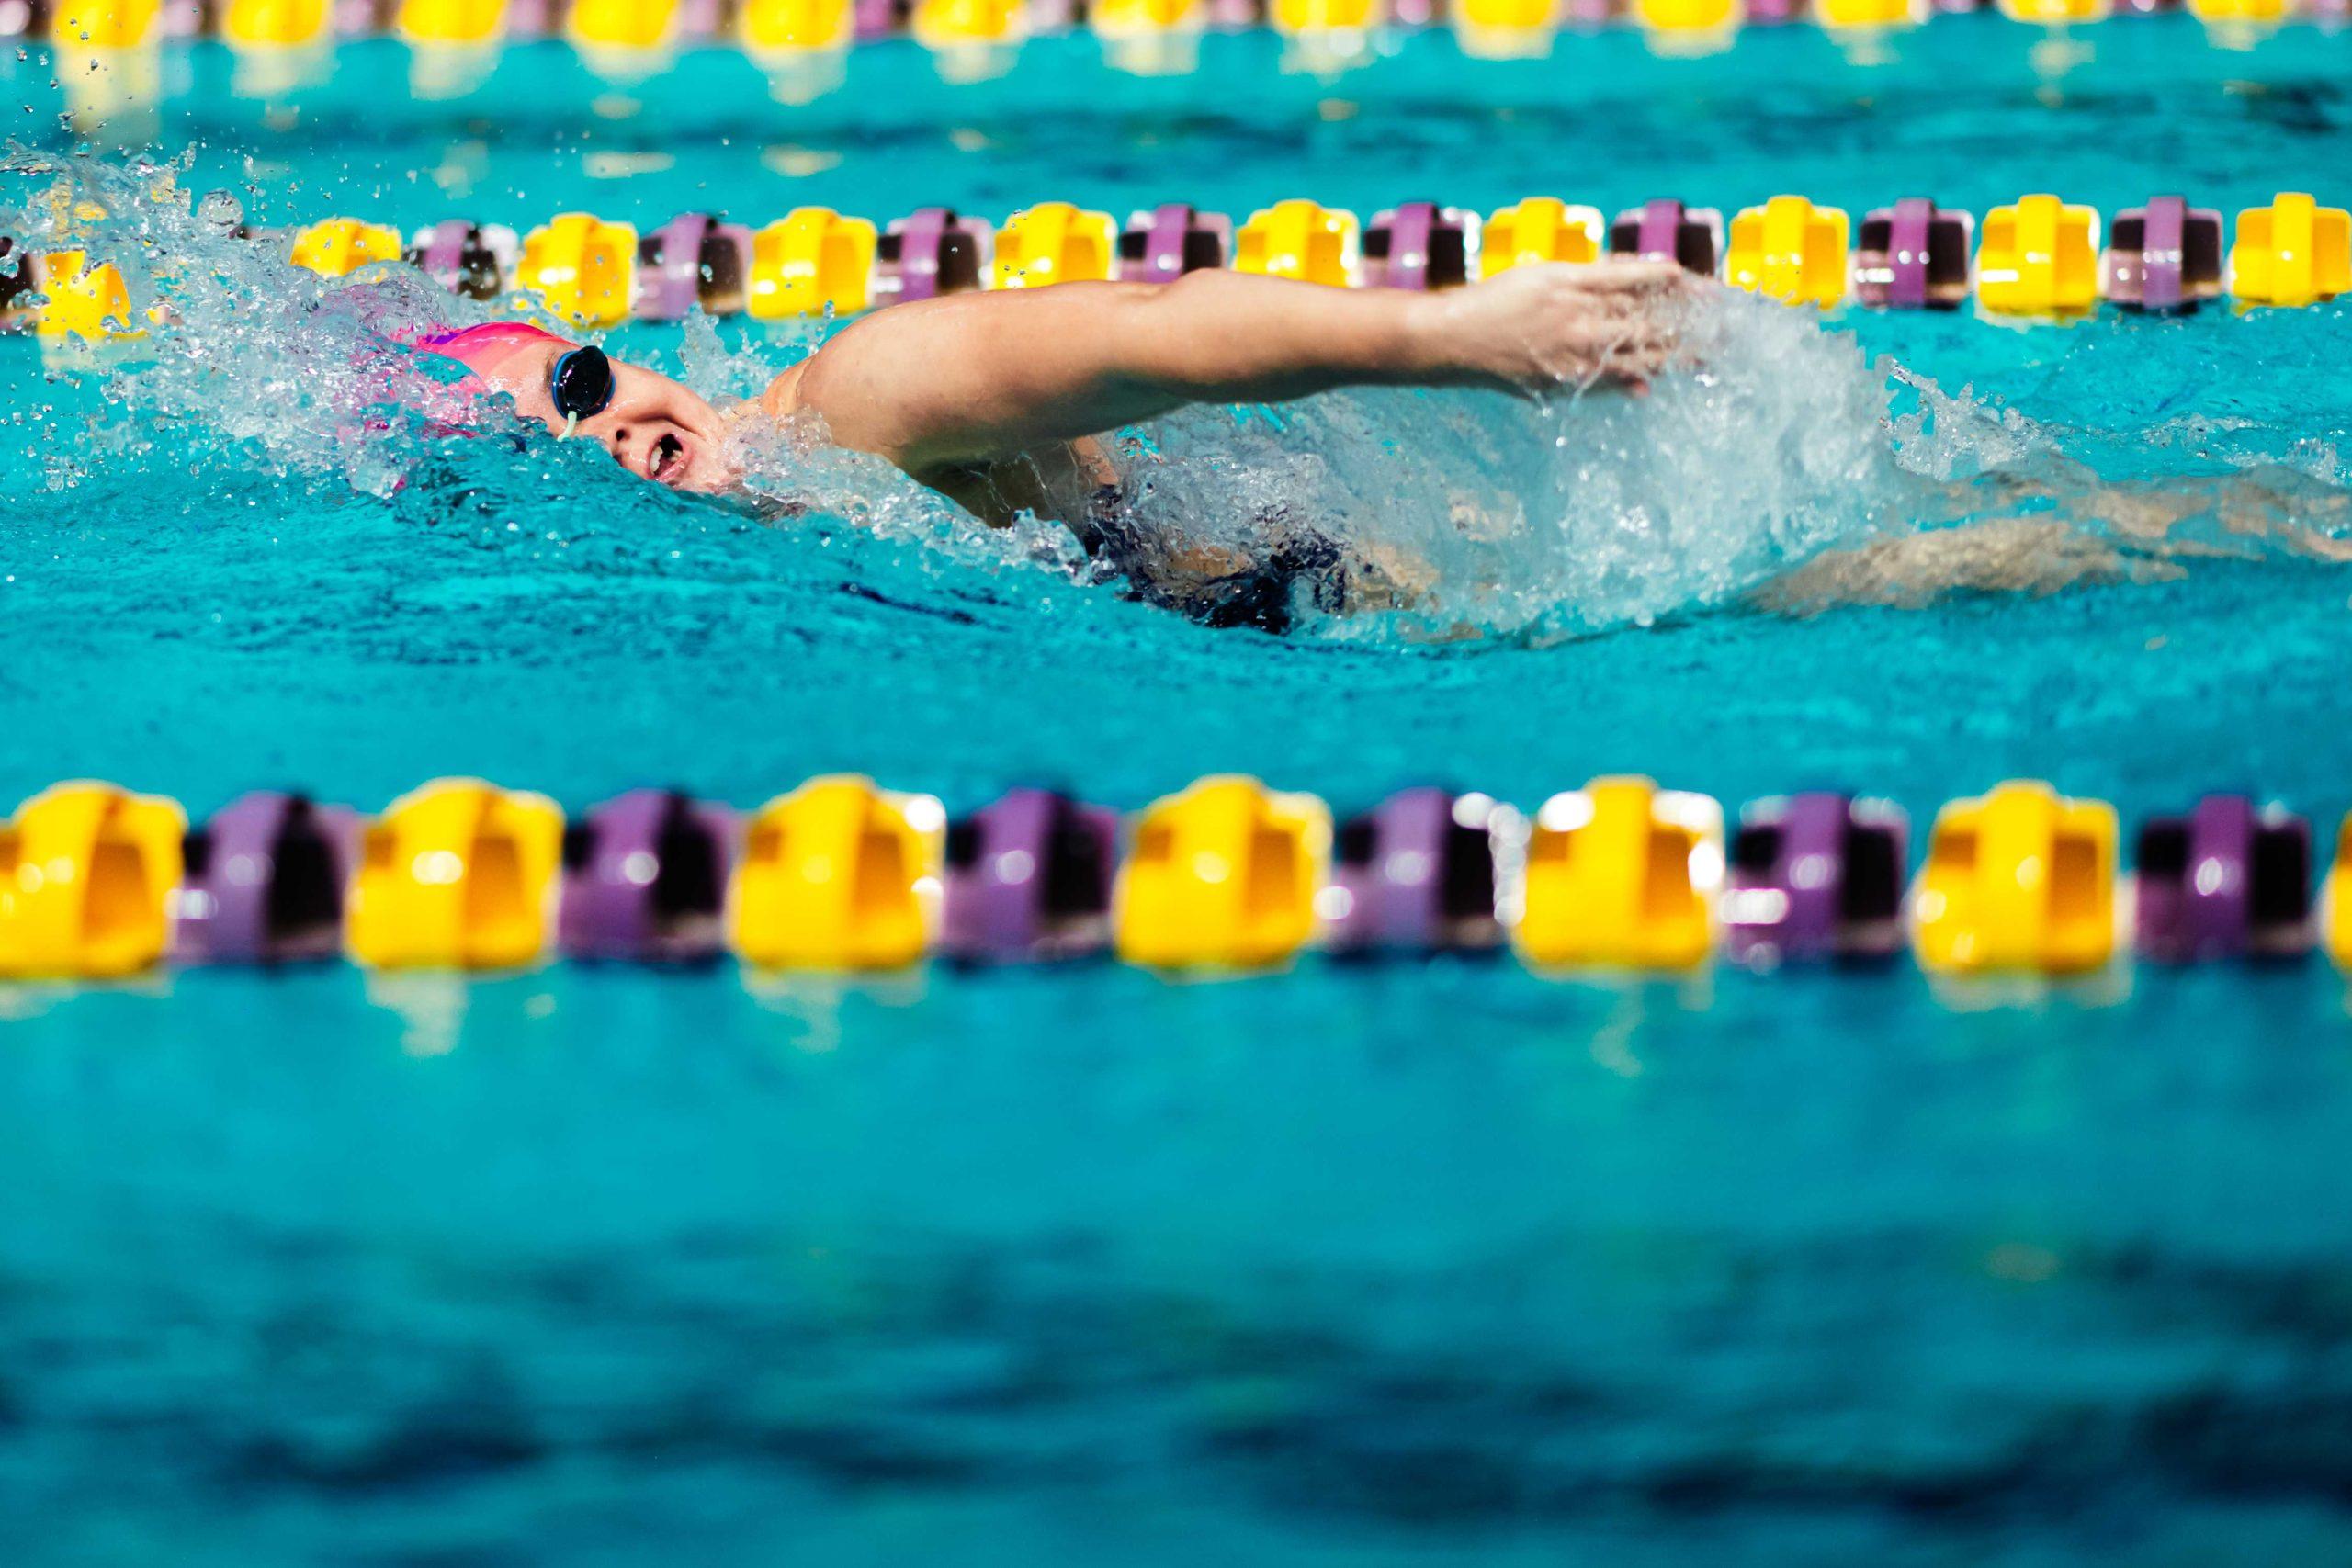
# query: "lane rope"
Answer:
x=839 y=874
x=2037 y=259
x=779 y=31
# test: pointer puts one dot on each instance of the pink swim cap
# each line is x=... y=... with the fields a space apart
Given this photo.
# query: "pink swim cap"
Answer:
x=447 y=407
x=482 y=349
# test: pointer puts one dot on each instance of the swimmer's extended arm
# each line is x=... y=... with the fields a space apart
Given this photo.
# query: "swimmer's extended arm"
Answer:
x=973 y=378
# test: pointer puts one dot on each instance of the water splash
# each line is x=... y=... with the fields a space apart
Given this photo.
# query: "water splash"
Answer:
x=1482 y=510
x=241 y=357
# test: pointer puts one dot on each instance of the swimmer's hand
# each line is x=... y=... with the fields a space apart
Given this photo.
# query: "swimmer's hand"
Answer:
x=1558 y=327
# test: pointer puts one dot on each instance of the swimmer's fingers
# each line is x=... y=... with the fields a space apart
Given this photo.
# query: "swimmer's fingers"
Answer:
x=1649 y=354
x=1612 y=324
x=1628 y=274
x=1624 y=308
x=1613 y=289
x=1628 y=363
x=1651 y=339
x=1617 y=351
x=1544 y=328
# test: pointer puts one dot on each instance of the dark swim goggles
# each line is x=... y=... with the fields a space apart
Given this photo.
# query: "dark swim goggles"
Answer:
x=581 y=385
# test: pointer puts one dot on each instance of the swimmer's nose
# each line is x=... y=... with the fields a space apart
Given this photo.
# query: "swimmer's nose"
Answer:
x=661 y=456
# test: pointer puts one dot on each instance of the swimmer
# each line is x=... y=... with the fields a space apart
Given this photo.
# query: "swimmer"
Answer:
x=999 y=400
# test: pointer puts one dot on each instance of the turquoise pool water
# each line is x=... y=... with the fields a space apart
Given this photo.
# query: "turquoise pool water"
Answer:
x=1435 y=1264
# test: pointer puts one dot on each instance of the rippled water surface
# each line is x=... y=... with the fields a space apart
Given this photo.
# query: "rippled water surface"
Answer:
x=1422 y=1265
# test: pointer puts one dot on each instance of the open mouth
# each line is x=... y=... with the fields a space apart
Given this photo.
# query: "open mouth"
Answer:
x=666 y=463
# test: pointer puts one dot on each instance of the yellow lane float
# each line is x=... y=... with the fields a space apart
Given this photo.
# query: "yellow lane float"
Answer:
x=82 y=300
x=1540 y=229
x=837 y=874
x=2019 y=879
x=1790 y=251
x=1621 y=874
x=1054 y=242
x=620 y=26
x=2293 y=252
x=1505 y=30
x=1688 y=26
x=450 y=24
x=86 y=876
x=788 y=27
x=2038 y=258
x=2246 y=14
x=104 y=24
x=1306 y=18
x=1299 y=240
x=342 y=245
x=456 y=875
x=2335 y=900
x=2056 y=13
x=583 y=268
x=965 y=24
x=1222 y=876
x=1145 y=18
x=273 y=24
x=813 y=261
x=1869 y=16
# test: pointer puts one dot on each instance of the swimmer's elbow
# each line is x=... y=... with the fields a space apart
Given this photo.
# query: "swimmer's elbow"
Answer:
x=782 y=399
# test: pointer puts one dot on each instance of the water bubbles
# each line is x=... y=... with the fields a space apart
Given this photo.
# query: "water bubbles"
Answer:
x=218 y=210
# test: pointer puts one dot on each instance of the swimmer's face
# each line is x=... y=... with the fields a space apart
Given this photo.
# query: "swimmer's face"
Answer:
x=653 y=427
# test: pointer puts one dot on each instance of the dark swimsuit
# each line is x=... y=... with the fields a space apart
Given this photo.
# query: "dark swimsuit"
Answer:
x=1261 y=595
